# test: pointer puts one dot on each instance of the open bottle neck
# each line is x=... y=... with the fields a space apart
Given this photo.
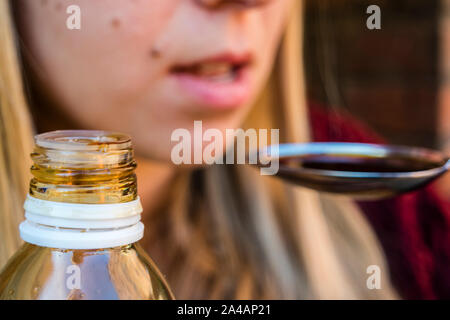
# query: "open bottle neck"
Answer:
x=90 y=167
x=83 y=194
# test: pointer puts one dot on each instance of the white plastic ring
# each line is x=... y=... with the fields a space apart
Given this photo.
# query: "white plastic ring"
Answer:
x=79 y=239
x=81 y=211
x=81 y=226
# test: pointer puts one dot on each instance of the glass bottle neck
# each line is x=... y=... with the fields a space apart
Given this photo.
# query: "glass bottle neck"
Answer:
x=93 y=167
x=83 y=194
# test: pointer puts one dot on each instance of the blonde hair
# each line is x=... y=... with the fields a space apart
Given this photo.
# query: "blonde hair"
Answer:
x=15 y=139
x=229 y=232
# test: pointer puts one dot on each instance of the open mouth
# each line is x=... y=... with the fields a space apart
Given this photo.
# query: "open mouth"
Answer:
x=212 y=71
x=222 y=69
x=222 y=81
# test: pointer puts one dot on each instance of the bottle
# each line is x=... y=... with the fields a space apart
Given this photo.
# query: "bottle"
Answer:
x=82 y=224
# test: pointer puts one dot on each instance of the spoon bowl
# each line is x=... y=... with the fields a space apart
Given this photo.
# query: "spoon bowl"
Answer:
x=361 y=171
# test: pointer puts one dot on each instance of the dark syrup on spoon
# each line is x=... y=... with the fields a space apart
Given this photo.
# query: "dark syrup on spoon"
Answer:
x=359 y=163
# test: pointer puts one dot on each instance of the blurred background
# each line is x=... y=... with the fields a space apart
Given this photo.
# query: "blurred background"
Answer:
x=395 y=79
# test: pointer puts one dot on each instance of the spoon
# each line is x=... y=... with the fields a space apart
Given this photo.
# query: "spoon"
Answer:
x=361 y=171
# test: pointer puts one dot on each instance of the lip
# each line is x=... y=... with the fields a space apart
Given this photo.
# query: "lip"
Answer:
x=215 y=94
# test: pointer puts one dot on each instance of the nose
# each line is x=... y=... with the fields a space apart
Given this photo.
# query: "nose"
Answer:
x=212 y=4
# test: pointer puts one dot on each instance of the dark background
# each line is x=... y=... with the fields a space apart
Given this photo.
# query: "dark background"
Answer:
x=388 y=78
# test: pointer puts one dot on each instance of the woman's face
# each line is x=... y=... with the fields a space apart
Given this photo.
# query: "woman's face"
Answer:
x=149 y=67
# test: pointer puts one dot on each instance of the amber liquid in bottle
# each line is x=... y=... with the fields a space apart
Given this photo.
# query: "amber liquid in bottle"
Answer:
x=71 y=251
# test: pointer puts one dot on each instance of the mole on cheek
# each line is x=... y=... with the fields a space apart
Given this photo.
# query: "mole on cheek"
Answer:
x=115 y=23
x=155 y=53
x=58 y=6
x=44 y=2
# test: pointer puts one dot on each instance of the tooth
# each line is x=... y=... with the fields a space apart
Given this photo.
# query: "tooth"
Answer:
x=224 y=78
x=213 y=69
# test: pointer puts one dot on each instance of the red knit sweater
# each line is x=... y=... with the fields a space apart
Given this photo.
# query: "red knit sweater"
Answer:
x=414 y=228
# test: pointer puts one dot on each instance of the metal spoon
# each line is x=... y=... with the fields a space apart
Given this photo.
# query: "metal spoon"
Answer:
x=361 y=171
